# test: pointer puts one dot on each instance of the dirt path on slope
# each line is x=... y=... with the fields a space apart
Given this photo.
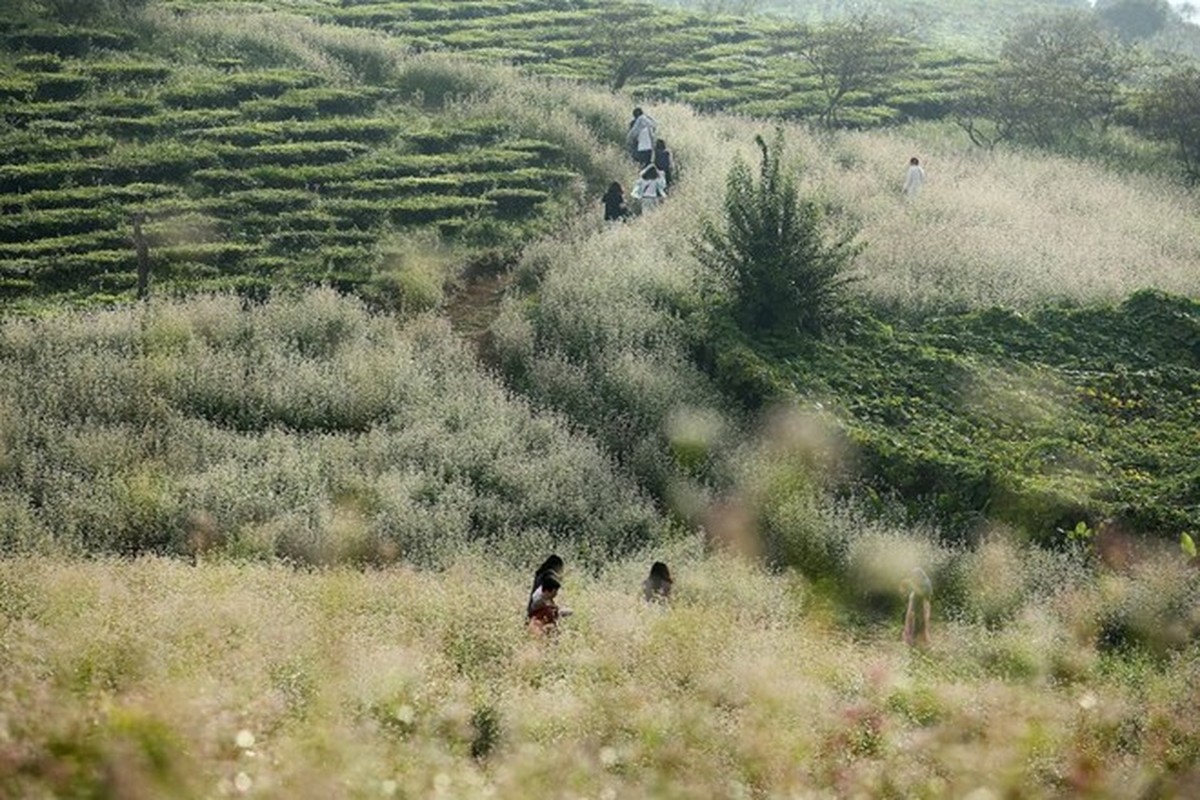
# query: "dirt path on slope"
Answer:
x=473 y=306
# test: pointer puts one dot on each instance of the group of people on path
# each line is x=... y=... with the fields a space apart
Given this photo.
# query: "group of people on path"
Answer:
x=656 y=166
x=542 y=611
x=656 y=170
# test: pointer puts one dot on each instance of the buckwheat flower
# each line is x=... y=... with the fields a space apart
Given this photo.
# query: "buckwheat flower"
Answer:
x=242 y=782
x=441 y=783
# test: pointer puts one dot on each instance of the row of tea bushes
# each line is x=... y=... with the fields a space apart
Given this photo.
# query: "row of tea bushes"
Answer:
x=246 y=176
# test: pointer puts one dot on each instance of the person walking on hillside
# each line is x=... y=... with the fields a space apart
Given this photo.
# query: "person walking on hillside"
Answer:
x=657 y=587
x=641 y=136
x=664 y=161
x=914 y=179
x=920 y=591
x=615 y=208
x=650 y=188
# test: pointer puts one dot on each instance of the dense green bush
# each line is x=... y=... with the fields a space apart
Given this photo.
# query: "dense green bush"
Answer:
x=54 y=86
x=773 y=250
x=70 y=41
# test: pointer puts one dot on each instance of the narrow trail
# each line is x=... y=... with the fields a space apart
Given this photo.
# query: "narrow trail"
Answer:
x=473 y=307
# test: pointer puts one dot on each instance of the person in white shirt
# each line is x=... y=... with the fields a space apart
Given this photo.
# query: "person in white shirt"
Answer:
x=651 y=188
x=915 y=177
x=641 y=136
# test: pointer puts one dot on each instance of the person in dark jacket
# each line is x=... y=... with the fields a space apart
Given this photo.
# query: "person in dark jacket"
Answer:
x=657 y=587
x=615 y=208
x=664 y=161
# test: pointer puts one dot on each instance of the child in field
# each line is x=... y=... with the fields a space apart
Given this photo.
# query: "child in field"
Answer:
x=552 y=565
x=544 y=612
x=657 y=587
x=615 y=209
x=919 y=588
x=651 y=188
x=914 y=179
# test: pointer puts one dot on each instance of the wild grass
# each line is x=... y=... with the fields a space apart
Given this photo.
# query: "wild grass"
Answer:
x=153 y=678
x=1007 y=228
x=305 y=428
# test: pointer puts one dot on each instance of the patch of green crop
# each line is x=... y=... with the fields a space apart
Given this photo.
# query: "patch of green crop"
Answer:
x=1040 y=421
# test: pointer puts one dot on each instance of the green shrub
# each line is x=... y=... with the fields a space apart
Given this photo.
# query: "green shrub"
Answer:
x=198 y=95
x=39 y=62
x=421 y=210
x=308 y=103
x=55 y=86
x=516 y=202
x=123 y=105
x=15 y=88
x=70 y=41
x=409 y=275
x=437 y=82
x=264 y=201
x=108 y=73
x=772 y=249
x=57 y=222
x=293 y=153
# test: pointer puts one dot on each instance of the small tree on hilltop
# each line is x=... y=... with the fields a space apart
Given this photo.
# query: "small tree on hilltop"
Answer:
x=1170 y=112
x=772 y=249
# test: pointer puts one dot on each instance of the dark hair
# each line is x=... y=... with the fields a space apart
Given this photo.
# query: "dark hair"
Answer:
x=659 y=570
x=551 y=564
x=614 y=188
x=550 y=581
x=637 y=111
x=660 y=144
x=650 y=172
x=914 y=160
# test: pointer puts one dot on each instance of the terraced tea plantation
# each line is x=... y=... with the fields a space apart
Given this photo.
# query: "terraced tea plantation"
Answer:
x=713 y=62
x=248 y=177
x=251 y=172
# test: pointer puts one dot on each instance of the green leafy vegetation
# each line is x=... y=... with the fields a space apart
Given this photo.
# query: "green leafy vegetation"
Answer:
x=1038 y=421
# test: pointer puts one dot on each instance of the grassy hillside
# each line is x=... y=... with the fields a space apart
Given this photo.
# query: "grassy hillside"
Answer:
x=976 y=26
x=1009 y=278
x=273 y=541
x=305 y=429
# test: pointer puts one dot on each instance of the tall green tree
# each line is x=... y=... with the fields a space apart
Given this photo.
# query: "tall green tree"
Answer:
x=774 y=250
x=1135 y=20
x=1170 y=111
x=860 y=53
x=1057 y=80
